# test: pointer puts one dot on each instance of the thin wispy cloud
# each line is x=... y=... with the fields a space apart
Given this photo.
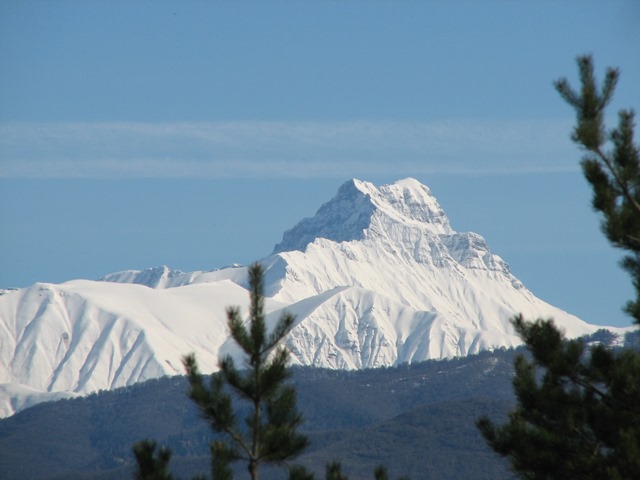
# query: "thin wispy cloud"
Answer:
x=282 y=149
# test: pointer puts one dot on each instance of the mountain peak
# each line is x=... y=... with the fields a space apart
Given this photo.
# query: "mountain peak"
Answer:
x=411 y=201
x=343 y=218
x=347 y=215
x=376 y=277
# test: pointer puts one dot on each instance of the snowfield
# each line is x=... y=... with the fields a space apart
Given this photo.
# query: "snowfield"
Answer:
x=376 y=278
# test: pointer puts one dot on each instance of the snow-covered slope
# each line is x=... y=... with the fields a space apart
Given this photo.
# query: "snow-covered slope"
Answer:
x=424 y=289
x=82 y=336
x=377 y=277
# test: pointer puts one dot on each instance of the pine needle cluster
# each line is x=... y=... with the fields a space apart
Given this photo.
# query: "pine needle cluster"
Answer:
x=578 y=407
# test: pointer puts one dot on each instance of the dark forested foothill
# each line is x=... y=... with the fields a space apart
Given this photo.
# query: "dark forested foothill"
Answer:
x=356 y=417
x=348 y=415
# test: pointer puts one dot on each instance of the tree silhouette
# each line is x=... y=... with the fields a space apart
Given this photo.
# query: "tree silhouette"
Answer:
x=578 y=408
x=269 y=431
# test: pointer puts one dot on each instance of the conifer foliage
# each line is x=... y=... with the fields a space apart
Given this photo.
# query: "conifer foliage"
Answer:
x=578 y=414
x=614 y=175
x=268 y=433
x=578 y=408
x=152 y=465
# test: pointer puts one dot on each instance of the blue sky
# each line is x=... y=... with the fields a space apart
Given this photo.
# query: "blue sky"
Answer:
x=193 y=133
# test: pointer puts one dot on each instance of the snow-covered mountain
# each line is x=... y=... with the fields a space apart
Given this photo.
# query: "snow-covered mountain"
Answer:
x=377 y=277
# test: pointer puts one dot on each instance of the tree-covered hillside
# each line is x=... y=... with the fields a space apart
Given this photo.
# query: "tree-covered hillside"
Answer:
x=418 y=419
x=362 y=418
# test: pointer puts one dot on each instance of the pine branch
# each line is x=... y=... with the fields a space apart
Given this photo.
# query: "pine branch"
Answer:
x=621 y=184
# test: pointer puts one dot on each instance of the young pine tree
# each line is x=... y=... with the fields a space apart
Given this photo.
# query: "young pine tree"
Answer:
x=578 y=409
x=268 y=433
x=613 y=174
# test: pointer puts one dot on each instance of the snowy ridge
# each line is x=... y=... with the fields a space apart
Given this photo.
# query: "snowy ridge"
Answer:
x=376 y=278
x=156 y=277
x=82 y=336
x=164 y=277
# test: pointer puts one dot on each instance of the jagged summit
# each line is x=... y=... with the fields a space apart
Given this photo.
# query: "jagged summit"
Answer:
x=409 y=201
x=343 y=218
x=394 y=239
x=351 y=213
